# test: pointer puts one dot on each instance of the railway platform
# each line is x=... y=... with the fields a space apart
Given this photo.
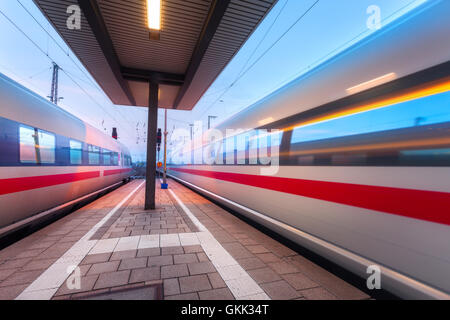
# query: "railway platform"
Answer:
x=188 y=248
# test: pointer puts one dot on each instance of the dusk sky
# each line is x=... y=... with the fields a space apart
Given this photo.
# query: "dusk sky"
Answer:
x=281 y=49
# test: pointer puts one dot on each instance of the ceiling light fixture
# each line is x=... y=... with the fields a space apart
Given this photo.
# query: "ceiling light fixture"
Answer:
x=154 y=18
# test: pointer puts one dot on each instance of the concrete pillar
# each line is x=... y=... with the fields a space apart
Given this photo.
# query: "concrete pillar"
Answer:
x=152 y=127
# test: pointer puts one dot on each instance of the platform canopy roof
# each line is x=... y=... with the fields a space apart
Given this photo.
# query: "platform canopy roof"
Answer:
x=197 y=40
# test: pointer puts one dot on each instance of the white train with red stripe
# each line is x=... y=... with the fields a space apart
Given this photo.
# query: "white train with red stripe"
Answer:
x=363 y=144
x=49 y=159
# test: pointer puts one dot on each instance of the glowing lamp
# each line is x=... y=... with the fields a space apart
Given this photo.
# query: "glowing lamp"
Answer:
x=154 y=18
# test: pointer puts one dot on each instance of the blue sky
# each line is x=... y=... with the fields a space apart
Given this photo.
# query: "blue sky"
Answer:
x=269 y=59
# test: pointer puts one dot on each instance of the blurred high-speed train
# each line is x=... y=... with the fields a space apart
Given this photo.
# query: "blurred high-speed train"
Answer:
x=364 y=156
x=49 y=159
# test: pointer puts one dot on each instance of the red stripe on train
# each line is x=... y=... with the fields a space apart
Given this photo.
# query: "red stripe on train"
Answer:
x=116 y=171
x=28 y=183
x=419 y=204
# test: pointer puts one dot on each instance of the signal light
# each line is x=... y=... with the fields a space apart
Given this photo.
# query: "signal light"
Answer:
x=114 y=133
x=159 y=137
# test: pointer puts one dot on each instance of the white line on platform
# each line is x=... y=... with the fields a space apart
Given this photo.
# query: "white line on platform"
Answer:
x=241 y=285
x=46 y=285
x=191 y=216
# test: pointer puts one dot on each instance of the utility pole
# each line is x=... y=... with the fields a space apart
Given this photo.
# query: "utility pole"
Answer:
x=54 y=93
x=209 y=121
x=192 y=130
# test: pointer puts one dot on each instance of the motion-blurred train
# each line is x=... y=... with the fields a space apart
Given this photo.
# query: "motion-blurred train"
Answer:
x=50 y=160
x=364 y=156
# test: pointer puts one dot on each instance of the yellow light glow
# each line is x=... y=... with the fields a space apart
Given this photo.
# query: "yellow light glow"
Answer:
x=372 y=83
x=265 y=121
x=154 y=14
x=383 y=103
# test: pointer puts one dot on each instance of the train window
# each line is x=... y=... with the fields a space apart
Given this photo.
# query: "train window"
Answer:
x=198 y=155
x=46 y=147
x=28 y=145
x=115 y=158
x=423 y=111
x=36 y=146
x=230 y=146
x=275 y=138
x=106 y=157
x=76 y=150
x=94 y=154
x=253 y=147
x=242 y=141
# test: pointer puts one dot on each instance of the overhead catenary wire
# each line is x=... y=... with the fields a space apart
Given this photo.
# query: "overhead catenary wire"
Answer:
x=242 y=74
x=56 y=42
x=90 y=97
x=326 y=56
x=52 y=60
x=73 y=61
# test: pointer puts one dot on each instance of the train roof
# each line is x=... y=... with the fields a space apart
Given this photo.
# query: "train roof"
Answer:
x=23 y=105
x=392 y=49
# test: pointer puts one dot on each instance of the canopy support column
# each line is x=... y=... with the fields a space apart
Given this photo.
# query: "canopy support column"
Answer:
x=152 y=125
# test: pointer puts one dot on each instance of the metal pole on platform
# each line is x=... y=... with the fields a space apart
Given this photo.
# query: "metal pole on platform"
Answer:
x=151 y=146
x=165 y=148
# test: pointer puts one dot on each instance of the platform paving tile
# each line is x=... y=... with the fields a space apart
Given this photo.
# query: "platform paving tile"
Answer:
x=171 y=287
x=148 y=252
x=145 y=274
x=299 y=281
x=193 y=249
x=185 y=258
x=38 y=264
x=185 y=296
x=174 y=271
x=194 y=283
x=201 y=268
x=330 y=282
x=267 y=257
x=15 y=263
x=112 y=279
x=202 y=257
x=216 y=280
x=237 y=250
x=133 y=263
x=282 y=267
x=21 y=277
x=317 y=294
x=251 y=263
x=103 y=267
x=172 y=250
x=157 y=261
x=264 y=275
x=96 y=258
x=10 y=292
x=216 y=294
x=86 y=284
x=84 y=269
x=257 y=249
x=119 y=255
x=280 y=290
x=31 y=253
